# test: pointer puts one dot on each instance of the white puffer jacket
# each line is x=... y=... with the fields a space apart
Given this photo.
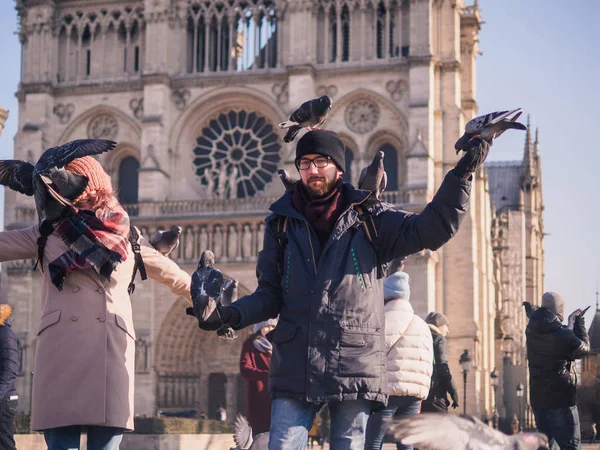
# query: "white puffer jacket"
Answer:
x=410 y=361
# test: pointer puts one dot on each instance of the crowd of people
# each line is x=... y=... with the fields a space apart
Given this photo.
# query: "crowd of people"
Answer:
x=333 y=338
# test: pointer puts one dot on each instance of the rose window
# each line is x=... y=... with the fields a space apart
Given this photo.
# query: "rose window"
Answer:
x=236 y=155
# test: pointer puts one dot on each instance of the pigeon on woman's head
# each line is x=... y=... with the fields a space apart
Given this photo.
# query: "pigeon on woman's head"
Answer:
x=490 y=126
x=53 y=186
x=311 y=114
x=451 y=432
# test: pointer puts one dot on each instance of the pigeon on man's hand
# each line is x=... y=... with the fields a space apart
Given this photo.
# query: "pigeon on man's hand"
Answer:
x=529 y=309
x=373 y=177
x=287 y=180
x=206 y=287
x=53 y=187
x=451 y=432
x=166 y=241
x=311 y=114
x=490 y=126
x=242 y=436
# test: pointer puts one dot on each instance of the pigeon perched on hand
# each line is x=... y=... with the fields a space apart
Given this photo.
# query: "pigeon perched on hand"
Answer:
x=53 y=187
x=242 y=435
x=490 y=126
x=373 y=177
x=451 y=432
x=206 y=287
x=529 y=309
x=311 y=114
x=166 y=241
x=287 y=180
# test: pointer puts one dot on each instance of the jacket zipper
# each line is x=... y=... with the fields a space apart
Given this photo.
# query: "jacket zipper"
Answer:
x=311 y=247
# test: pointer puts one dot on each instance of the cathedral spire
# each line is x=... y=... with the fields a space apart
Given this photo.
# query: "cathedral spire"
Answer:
x=536 y=143
x=528 y=157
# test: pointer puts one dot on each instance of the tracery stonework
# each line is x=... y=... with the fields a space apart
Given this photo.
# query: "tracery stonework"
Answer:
x=104 y=126
x=362 y=116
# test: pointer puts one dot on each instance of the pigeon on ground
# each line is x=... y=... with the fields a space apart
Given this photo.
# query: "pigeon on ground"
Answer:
x=206 y=287
x=490 y=126
x=311 y=114
x=230 y=292
x=287 y=180
x=53 y=187
x=529 y=309
x=451 y=432
x=242 y=435
x=373 y=177
x=166 y=241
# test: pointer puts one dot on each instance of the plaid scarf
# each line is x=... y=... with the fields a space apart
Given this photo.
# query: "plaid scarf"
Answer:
x=93 y=243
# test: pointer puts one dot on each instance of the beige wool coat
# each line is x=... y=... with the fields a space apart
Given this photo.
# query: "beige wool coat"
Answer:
x=85 y=346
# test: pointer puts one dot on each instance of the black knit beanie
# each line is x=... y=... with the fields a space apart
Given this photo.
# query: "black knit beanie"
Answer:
x=323 y=142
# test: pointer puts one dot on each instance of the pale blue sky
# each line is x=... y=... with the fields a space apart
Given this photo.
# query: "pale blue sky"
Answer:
x=540 y=55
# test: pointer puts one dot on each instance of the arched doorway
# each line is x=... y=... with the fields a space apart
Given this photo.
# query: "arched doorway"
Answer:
x=128 y=180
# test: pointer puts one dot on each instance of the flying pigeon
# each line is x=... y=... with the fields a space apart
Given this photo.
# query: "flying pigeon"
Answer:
x=242 y=435
x=490 y=126
x=451 y=432
x=373 y=177
x=529 y=309
x=166 y=241
x=52 y=186
x=286 y=179
x=230 y=292
x=311 y=114
x=207 y=286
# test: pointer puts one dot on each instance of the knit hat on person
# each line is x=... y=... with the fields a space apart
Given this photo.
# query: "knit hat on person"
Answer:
x=437 y=318
x=267 y=323
x=396 y=286
x=98 y=179
x=323 y=142
x=555 y=303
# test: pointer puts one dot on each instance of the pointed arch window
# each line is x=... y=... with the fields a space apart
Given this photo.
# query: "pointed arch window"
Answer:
x=128 y=180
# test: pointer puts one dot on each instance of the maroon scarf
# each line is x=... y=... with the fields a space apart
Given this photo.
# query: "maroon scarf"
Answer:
x=322 y=213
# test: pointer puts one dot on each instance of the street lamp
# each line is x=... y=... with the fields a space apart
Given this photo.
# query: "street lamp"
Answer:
x=495 y=381
x=520 y=391
x=465 y=364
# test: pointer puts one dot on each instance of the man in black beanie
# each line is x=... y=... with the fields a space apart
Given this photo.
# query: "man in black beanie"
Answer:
x=320 y=272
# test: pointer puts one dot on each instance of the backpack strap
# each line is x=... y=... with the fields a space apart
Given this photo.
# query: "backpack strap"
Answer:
x=134 y=237
x=46 y=228
x=371 y=234
x=401 y=336
x=281 y=231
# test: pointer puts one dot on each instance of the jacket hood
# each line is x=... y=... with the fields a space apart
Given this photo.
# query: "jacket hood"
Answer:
x=543 y=321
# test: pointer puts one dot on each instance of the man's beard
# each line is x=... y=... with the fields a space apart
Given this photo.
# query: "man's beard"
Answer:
x=321 y=191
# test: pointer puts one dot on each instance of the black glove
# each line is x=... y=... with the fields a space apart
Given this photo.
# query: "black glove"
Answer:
x=476 y=152
x=454 y=400
x=221 y=316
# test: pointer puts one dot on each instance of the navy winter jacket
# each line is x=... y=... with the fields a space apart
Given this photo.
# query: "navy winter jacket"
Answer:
x=329 y=344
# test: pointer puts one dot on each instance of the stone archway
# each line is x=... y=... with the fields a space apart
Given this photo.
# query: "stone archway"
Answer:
x=188 y=360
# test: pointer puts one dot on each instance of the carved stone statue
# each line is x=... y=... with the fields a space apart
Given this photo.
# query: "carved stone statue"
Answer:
x=246 y=241
x=232 y=242
x=210 y=182
x=222 y=182
x=233 y=175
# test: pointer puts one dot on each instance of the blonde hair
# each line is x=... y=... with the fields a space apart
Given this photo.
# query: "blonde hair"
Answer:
x=5 y=312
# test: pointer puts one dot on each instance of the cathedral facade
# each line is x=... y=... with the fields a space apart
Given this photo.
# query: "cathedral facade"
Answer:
x=193 y=91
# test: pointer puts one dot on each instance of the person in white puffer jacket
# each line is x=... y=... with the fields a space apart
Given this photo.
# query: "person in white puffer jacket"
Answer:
x=409 y=348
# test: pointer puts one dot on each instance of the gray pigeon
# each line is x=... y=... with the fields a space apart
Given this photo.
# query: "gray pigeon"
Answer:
x=242 y=435
x=311 y=114
x=373 y=177
x=490 y=126
x=451 y=432
x=166 y=241
x=52 y=186
x=207 y=285
x=287 y=180
x=230 y=292
x=529 y=309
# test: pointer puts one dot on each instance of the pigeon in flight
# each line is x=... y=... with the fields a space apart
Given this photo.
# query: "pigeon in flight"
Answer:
x=52 y=186
x=166 y=241
x=529 y=309
x=242 y=435
x=451 y=432
x=490 y=126
x=287 y=180
x=373 y=177
x=311 y=114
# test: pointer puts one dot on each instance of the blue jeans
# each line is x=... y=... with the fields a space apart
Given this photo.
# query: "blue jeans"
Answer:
x=561 y=425
x=379 y=422
x=291 y=420
x=98 y=438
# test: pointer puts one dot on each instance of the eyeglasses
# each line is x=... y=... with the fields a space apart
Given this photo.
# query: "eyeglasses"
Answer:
x=319 y=163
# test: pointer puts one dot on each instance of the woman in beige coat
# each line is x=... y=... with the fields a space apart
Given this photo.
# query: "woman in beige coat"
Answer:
x=85 y=349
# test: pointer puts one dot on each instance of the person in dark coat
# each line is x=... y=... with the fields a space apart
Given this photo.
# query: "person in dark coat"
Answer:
x=254 y=368
x=551 y=351
x=319 y=272
x=9 y=370
x=442 y=382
